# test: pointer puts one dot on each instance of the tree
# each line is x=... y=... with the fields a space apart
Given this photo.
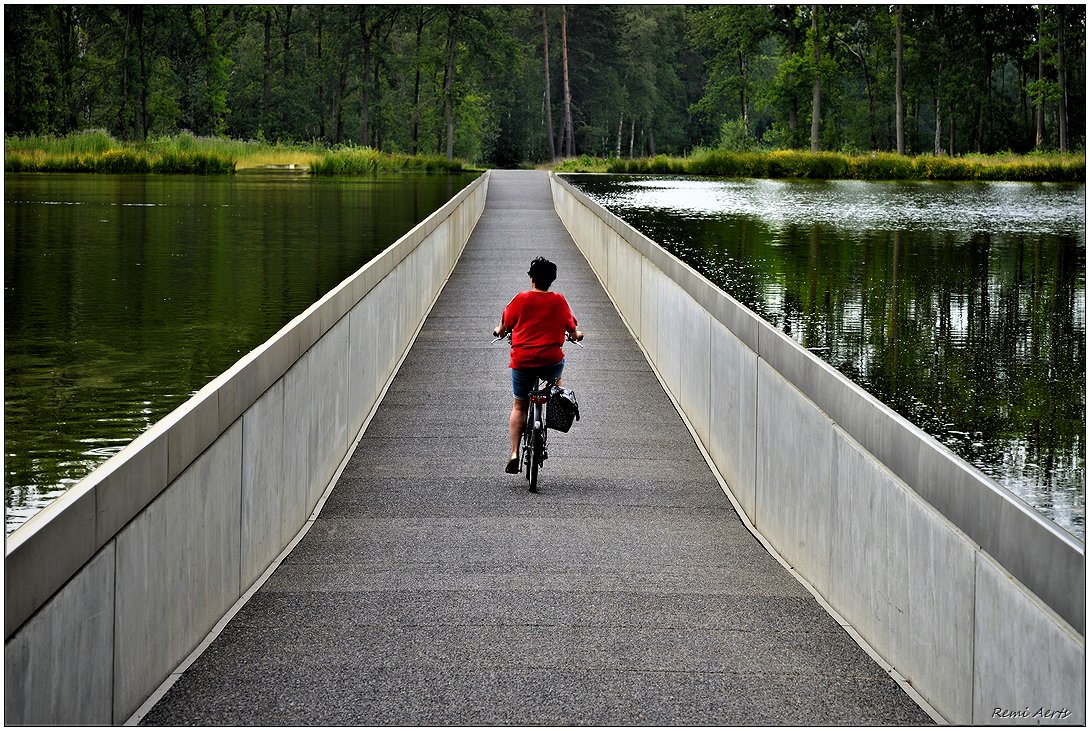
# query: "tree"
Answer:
x=815 y=115
x=548 y=99
x=1061 y=117
x=1042 y=89
x=569 y=132
x=732 y=36
x=28 y=83
x=633 y=79
x=211 y=31
x=448 y=78
x=900 y=84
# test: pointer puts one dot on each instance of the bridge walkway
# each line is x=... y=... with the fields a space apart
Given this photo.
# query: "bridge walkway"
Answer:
x=435 y=589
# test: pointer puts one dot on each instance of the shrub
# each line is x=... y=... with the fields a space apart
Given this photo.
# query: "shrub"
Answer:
x=367 y=161
x=122 y=161
x=929 y=167
x=880 y=166
x=196 y=163
x=734 y=136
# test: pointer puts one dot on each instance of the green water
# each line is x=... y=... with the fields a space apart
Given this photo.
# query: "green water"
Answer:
x=124 y=295
x=962 y=306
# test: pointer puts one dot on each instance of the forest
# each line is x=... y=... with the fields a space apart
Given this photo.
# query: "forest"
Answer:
x=514 y=85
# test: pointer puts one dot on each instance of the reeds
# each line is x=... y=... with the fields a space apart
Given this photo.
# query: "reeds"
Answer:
x=95 y=151
x=1044 y=167
x=366 y=161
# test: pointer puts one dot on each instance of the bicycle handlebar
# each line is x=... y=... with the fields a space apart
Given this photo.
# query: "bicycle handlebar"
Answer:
x=507 y=337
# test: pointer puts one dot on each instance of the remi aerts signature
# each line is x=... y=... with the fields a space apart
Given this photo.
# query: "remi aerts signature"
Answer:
x=1057 y=714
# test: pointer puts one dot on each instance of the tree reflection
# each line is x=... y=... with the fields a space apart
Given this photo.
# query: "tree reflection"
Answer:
x=976 y=336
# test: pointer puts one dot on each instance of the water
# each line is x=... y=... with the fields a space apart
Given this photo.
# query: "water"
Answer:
x=960 y=305
x=124 y=295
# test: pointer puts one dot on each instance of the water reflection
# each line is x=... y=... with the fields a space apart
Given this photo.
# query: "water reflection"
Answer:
x=124 y=295
x=961 y=306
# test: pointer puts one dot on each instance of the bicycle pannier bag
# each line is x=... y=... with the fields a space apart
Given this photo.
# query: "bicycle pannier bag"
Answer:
x=562 y=409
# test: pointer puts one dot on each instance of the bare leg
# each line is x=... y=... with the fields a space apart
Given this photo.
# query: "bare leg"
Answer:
x=518 y=419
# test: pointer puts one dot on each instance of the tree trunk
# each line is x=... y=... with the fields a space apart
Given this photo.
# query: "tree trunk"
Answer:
x=632 y=137
x=900 y=89
x=123 y=110
x=1061 y=74
x=548 y=87
x=938 y=122
x=365 y=80
x=815 y=119
x=793 y=102
x=743 y=68
x=569 y=133
x=69 y=106
x=620 y=127
x=448 y=82
x=376 y=129
x=285 y=37
x=321 y=81
x=986 y=103
x=1025 y=105
x=140 y=124
x=938 y=83
x=338 y=117
x=420 y=22
x=266 y=62
x=1040 y=76
x=650 y=140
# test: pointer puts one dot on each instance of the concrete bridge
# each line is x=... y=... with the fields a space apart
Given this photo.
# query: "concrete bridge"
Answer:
x=325 y=535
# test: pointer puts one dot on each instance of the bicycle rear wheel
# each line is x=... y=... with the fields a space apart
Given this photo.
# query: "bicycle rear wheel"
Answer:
x=536 y=451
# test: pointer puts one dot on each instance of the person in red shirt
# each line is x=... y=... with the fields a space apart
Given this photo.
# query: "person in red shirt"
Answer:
x=539 y=321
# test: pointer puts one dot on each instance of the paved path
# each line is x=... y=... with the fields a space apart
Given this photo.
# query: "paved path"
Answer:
x=436 y=590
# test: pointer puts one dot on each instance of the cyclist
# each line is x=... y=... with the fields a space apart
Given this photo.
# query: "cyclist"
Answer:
x=538 y=321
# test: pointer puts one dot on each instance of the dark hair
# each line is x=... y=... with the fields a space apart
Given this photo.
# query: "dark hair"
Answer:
x=543 y=272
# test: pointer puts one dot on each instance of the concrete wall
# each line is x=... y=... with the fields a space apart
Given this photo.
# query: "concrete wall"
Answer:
x=110 y=587
x=966 y=591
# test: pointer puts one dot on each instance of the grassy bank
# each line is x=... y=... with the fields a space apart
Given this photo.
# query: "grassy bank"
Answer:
x=97 y=152
x=364 y=160
x=836 y=166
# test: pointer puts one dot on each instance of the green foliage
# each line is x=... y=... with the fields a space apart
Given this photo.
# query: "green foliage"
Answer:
x=186 y=153
x=644 y=79
x=734 y=136
x=873 y=166
x=586 y=164
x=881 y=166
x=365 y=161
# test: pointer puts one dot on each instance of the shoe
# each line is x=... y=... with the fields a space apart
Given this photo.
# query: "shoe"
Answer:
x=512 y=466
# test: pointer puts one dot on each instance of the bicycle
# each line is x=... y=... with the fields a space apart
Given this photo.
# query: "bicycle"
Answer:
x=533 y=447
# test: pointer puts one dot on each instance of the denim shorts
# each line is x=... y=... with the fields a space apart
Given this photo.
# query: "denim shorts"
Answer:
x=523 y=380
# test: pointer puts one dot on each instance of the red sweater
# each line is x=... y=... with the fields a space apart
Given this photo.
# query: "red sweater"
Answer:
x=538 y=322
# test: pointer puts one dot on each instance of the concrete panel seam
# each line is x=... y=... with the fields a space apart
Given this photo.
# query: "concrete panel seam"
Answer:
x=972 y=635
x=756 y=437
x=241 y=494
x=113 y=641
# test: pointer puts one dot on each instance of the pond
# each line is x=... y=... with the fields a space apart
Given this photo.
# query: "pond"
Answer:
x=124 y=295
x=962 y=306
